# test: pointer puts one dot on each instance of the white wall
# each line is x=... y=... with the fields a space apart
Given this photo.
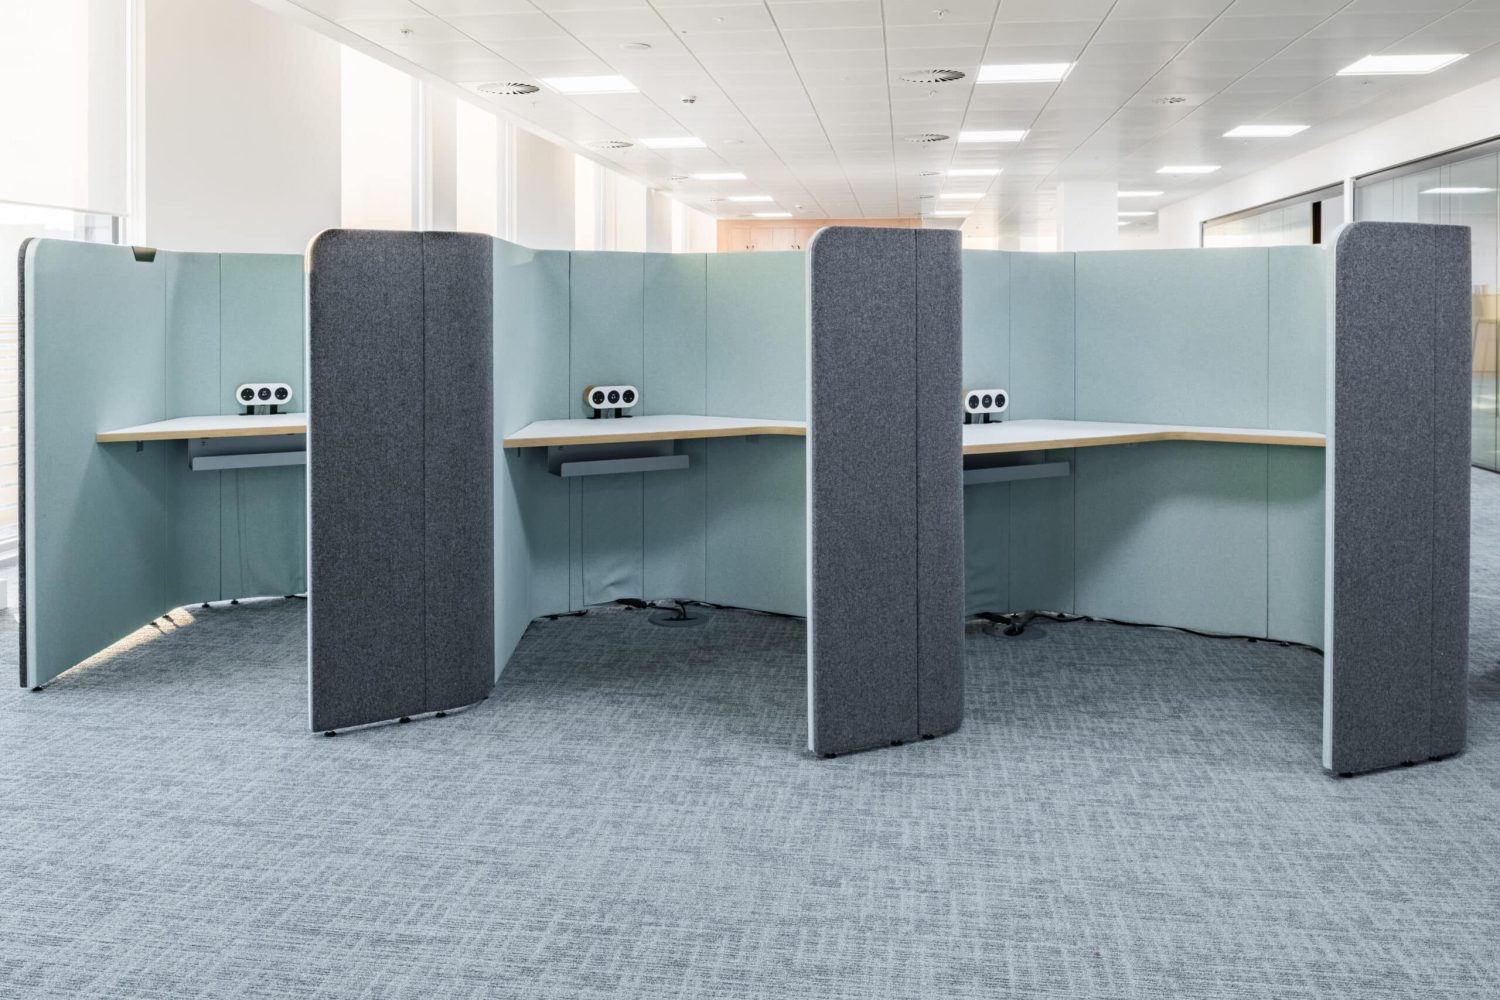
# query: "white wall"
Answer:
x=544 y=193
x=1466 y=117
x=240 y=138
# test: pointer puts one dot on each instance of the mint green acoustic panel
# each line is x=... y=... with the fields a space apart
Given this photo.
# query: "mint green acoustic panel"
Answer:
x=532 y=306
x=1294 y=567
x=612 y=537
x=95 y=524
x=1042 y=372
x=757 y=525
x=194 y=345
x=193 y=317
x=1042 y=535
x=261 y=337
x=986 y=318
x=757 y=335
x=606 y=345
x=1173 y=336
x=987 y=545
x=1173 y=533
x=261 y=324
x=676 y=334
x=675 y=528
x=1298 y=338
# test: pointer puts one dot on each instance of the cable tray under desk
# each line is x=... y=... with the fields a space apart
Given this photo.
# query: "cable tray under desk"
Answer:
x=571 y=461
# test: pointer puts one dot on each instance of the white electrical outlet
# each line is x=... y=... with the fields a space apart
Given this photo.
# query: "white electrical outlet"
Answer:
x=611 y=397
x=263 y=394
x=986 y=400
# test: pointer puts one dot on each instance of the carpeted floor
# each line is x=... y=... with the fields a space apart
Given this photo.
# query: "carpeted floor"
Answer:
x=1127 y=813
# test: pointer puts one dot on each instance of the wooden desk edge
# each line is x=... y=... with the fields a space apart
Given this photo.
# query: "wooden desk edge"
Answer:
x=1147 y=437
x=113 y=437
x=626 y=437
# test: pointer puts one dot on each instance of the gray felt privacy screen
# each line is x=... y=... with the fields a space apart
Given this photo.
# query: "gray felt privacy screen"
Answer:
x=885 y=490
x=1398 y=535
x=399 y=475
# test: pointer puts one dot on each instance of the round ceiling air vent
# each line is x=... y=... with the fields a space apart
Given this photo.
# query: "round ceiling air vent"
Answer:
x=507 y=89
x=611 y=144
x=1169 y=100
x=932 y=76
x=929 y=173
x=926 y=137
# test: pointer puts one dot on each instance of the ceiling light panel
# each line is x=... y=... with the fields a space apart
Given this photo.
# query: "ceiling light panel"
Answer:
x=723 y=175
x=974 y=172
x=751 y=198
x=1188 y=168
x=1459 y=190
x=1141 y=194
x=1398 y=65
x=772 y=215
x=1024 y=72
x=1264 y=131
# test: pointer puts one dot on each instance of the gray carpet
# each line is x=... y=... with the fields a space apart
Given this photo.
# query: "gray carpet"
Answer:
x=1126 y=813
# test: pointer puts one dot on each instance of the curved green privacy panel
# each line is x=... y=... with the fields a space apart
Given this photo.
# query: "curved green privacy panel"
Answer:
x=114 y=535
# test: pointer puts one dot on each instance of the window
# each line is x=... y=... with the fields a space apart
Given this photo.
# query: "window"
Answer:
x=1458 y=189
x=1298 y=221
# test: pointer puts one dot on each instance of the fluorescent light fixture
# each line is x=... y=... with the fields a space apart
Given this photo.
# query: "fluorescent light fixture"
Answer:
x=1188 y=168
x=1141 y=194
x=1458 y=190
x=949 y=215
x=772 y=215
x=1024 y=73
x=974 y=172
x=578 y=86
x=751 y=197
x=723 y=175
x=673 y=142
x=1264 y=131
x=1136 y=215
x=961 y=195
x=995 y=135
x=1396 y=65
x=1123 y=222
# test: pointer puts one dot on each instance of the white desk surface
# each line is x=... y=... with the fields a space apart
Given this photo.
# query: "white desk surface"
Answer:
x=215 y=426
x=1031 y=435
x=979 y=439
x=666 y=427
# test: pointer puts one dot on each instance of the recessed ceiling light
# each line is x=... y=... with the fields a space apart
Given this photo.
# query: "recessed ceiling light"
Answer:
x=974 y=172
x=949 y=215
x=772 y=215
x=751 y=197
x=1189 y=168
x=577 y=86
x=933 y=76
x=1141 y=194
x=961 y=195
x=1395 y=65
x=1136 y=215
x=1264 y=131
x=507 y=89
x=1122 y=222
x=1025 y=73
x=722 y=175
x=997 y=135
x=1458 y=190
x=673 y=142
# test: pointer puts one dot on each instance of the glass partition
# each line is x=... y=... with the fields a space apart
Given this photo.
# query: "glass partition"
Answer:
x=1456 y=189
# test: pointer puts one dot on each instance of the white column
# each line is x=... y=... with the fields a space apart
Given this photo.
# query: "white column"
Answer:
x=1088 y=215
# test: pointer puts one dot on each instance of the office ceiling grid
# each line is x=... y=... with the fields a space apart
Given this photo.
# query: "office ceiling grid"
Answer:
x=806 y=97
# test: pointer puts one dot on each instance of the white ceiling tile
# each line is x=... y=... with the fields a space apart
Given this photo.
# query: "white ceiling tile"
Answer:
x=833 y=39
x=513 y=26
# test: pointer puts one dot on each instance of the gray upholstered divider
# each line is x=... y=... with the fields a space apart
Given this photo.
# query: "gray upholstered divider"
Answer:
x=885 y=488
x=1396 y=644
x=400 y=477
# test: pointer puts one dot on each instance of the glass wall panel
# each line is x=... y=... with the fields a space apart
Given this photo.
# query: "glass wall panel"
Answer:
x=1460 y=191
